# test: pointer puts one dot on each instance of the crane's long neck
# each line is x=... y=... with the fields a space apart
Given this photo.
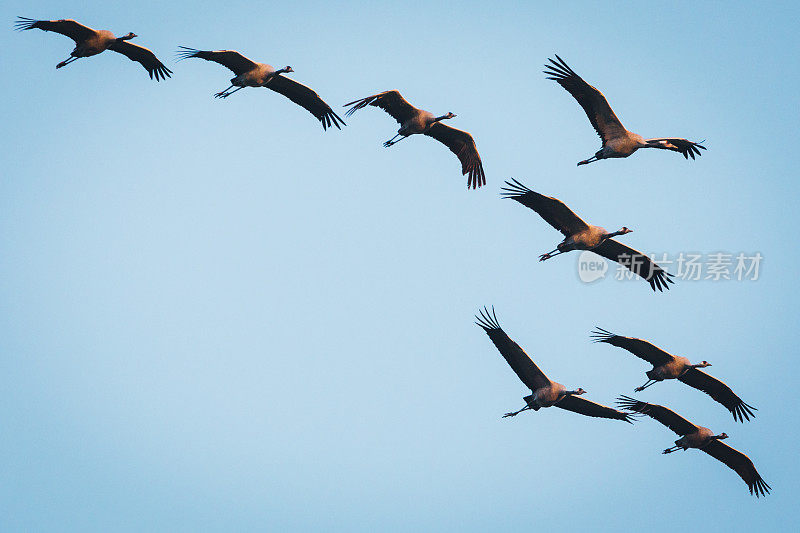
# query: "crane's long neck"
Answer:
x=439 y=119
x=614 y=234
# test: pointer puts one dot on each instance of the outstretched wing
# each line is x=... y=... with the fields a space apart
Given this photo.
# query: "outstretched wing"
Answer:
x=230 y=59
x=552 y=210
x=577 y=404
x=74 y=30
x=638 y=347
x=517 y=359
x=669 y=418
x=390 y=101
x=741 y=464
x=636 y=262
x=305 y=97
x=144 y=56
x=684 y=146
x=720 y=392
x=600 y=114
x=462 y=144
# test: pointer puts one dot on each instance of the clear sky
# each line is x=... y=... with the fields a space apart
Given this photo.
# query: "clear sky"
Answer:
x=214 y=316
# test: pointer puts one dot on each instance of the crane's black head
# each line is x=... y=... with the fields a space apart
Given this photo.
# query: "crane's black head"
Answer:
x=722 y=436
x=130 y=35
x=625 y=230
x=703 y=364
x=450 y=115
x=288 y=69
x=579 y=392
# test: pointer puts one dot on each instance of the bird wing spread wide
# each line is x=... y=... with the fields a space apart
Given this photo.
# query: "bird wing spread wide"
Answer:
x=636 y=262
x=669 y=418
x=307 y=98
x=230 y=59
x=518 y=360
x=390 y=101
x=684 y=146
x=552 y=210
x=143 y=56
x=68 y=27
x=740 y=463
x=638 y=347
x=719 y=391
x=577 y=404
x=600 y=114
x=462 y=144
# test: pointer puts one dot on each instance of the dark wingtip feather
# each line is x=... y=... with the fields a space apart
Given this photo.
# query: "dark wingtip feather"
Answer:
x=486 y=320
x=601 y=335
x=24 y=23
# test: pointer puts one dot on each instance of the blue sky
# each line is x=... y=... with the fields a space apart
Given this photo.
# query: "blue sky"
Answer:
x=217 y=317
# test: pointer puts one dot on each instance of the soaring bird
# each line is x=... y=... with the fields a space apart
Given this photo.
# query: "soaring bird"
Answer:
x=617 y=141
x=252 y=74
x=414 y=121
x=668 y=366
x=545 y=393
x=582 y=236
x=702 y=438
x=89 y=42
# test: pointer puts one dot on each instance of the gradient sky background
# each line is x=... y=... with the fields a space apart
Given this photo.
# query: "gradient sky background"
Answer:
x=214 y=316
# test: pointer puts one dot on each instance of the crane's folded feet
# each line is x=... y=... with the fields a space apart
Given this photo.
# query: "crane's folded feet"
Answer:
x=544 y=256
x=222 y=94
x=638 y=389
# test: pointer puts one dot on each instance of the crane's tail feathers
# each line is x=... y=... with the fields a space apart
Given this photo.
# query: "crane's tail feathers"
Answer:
x=486 y=320
x=24 y=23
x=514 y=189
x=601 y=335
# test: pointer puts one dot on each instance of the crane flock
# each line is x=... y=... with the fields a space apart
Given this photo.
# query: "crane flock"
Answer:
x=617 y=141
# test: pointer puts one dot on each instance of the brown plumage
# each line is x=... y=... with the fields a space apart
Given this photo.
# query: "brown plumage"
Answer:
x=668 y=366
x=702 y=438
x=418 y=121
x=617 y=141
x=252 y=74
x=582 y=236
x=89 y=42
x=545 y=393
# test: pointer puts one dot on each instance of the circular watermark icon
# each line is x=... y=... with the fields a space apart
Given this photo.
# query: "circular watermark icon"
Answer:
x=591 y=267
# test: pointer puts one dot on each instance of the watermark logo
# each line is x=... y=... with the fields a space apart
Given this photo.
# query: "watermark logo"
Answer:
x=591 y=267
x=686 y=266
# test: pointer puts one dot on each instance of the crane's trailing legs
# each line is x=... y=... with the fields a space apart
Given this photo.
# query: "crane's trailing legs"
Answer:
x=587 y=161
x=548 y=255
x=515 y=413
x=647 y=384
x=673 y=449
x=392 y=141
x=67 y=61
x=225 y=93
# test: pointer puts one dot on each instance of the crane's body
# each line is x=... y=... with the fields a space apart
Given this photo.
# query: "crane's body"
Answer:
x=549 y=396
x=617 y=140
x=700 y=438
x=249 y=73
x=544 y=391
x=90 y=42
x=415 y=121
